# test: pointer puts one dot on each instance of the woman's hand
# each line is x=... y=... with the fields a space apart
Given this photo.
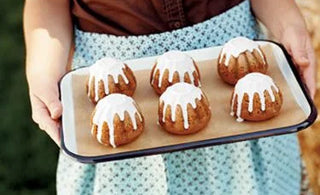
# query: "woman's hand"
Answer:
x=46 y=106
x=284 y=20
x=298 y=43
x=48 y=37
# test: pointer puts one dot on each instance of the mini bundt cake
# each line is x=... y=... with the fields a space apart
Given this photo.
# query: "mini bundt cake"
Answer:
x=255 y=98
x=116 y=120
x=173 y=67
x=109 y=75
x=238 y=57
x=183 y=109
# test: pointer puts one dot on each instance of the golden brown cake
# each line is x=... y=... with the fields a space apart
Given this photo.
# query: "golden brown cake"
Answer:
x=173 y=67
x=255 y=98
x=107 y=76
x=238 y=57
x=183 y=109
x=116 y=120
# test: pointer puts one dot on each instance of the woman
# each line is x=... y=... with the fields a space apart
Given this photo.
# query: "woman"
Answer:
x=131 y=29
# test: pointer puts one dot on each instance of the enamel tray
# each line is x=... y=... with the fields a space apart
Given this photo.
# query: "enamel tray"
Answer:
x=70 y=142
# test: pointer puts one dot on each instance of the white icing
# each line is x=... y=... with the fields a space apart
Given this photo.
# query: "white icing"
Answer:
x=234 y=47
x=180 y=94
x=106 y=110
x=175 y=61
x=250 y=84
x=102 y=69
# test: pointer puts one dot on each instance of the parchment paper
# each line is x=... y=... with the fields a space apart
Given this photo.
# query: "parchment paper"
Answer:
x=220 y=125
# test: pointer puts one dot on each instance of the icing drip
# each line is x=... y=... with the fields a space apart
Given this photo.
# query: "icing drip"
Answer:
x=102 y=69
x=106 y=110
x=236 y=46
x=180 y=94
x=250 y=84
x=174 y=61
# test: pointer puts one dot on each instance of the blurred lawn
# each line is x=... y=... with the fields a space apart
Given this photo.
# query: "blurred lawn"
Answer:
x=27 y=156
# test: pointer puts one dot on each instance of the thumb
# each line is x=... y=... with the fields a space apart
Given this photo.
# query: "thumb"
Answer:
x=51 y=99
x=300 y=57
x=299 y=53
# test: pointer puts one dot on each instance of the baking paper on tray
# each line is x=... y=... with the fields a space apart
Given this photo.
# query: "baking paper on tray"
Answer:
x=220 y=125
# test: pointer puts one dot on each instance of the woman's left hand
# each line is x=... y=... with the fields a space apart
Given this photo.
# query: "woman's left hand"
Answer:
x=297 y=41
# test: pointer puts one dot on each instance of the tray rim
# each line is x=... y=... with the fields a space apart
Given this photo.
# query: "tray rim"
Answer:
x=208 y=142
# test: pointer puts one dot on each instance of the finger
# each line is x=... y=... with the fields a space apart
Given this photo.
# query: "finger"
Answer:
x=300 y=55
x=310 y=73
x=297 y=48
x=310 y=81
x=51 y=99
x=36 y=104
x=51 y=127
x=41 y=116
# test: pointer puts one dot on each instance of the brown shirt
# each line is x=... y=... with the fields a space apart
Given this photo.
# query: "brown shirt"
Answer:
x=140 y=17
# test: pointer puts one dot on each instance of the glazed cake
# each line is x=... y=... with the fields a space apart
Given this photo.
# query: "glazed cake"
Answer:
x=173 y=67
x=183 y=109
x=255 y=98
x=238 y=57
x=107 y=76
x=116 y=120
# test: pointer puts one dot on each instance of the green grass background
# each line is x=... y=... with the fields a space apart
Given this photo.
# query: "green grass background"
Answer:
x=28 y=157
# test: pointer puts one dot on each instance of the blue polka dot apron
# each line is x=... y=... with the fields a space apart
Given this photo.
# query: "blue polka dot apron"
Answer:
x=264 y=166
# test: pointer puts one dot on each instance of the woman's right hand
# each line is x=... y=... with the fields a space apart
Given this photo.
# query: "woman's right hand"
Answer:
x=45 y=103
x=48 y=37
